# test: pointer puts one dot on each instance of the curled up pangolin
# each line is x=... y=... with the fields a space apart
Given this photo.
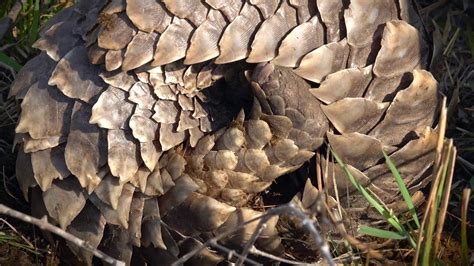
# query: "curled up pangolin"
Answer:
x=148 y=125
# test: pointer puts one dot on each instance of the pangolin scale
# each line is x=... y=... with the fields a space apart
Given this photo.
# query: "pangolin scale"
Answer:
x=148 y=125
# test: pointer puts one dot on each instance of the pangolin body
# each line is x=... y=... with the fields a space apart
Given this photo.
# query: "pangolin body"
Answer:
x=147 y=125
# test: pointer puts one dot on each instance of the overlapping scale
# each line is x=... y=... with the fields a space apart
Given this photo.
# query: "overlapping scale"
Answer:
x=154 y=127
x=277 y=25
x=194 y=11
x=236 y=39
x=154 y=17
x=74 y=70
x=364 y=21
x=173 y=42
x=204 y=43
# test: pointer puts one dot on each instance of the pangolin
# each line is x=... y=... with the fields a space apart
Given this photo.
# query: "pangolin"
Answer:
x=148 y=125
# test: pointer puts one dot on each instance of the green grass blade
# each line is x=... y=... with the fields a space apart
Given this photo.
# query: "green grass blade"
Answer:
x=14 y=241
x=372 y=201
x=9 y=62
x=403 y=189
x=388 y=215
x=439 y=194
x=34 y=30
x=380 y=233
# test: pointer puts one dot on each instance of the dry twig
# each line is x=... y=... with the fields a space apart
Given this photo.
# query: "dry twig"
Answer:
x=255 y=251
x=260 y=227
x=289 y=209
x=44 y=225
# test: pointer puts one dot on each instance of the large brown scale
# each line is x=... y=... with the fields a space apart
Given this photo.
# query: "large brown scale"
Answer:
x=146 y=122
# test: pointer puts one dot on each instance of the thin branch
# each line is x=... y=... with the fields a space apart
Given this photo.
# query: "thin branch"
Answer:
x=215 y=239
x=290 y=209
x=309 y=225
x=231 y=253
x=44 y=225
x=262 y=253
x=260 y=227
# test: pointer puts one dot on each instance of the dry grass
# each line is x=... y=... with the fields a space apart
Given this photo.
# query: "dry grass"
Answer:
x=453 y=36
